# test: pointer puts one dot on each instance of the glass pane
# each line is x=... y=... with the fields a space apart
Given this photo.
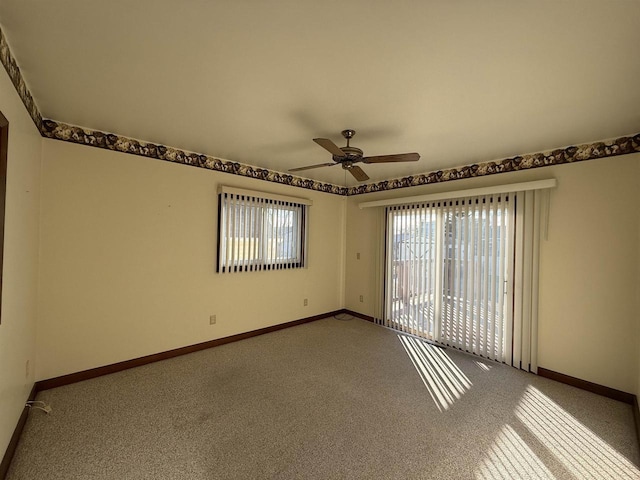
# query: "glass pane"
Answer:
x=257 y=233
x=412 y=264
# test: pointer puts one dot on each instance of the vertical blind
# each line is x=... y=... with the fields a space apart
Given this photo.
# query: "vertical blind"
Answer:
x=531 y=207
x=446 y=272
x=462 y=268
x=258 y=233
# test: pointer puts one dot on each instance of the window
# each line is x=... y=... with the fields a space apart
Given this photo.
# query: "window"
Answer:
x=258 y=231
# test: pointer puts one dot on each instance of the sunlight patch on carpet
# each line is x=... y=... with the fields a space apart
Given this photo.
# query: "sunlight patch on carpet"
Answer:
x=510 y=457
x=579 y=450
x=482 y=366
x=445 y=382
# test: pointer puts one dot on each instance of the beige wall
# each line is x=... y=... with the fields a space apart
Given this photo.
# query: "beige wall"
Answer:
x=128 y=260
x=588 y=272
x=19 y=289
x=128 y=250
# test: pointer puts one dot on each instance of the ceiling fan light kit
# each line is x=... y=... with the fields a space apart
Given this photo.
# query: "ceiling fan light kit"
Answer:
x=348 y=156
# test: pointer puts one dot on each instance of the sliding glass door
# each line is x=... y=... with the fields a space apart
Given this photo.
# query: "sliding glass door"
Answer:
x=447 y=270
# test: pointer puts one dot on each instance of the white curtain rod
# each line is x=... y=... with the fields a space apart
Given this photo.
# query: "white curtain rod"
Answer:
x=472 y=192
x=269 y=196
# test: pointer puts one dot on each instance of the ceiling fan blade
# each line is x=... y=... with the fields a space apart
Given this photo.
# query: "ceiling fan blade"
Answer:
x=401 y=157
x=358 y=173
x=309 y=167
x=328 y=145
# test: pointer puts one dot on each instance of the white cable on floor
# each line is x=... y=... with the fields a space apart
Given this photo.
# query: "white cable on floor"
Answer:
x=44 y=407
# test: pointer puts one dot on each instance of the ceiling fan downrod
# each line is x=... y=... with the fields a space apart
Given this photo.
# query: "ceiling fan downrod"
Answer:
x=348 y=134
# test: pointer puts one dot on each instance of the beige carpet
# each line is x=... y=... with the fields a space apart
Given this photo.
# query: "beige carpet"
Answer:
x=326 y=400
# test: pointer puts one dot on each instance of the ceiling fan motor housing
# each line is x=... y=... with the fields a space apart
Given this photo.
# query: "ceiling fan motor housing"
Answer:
x=350 y=153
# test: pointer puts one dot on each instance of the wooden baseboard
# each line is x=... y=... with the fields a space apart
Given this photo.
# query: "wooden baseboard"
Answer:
x=137 y=362
x=589 y=386
x=117 y=367
x=13 y=443
x=359 y=315
x=636 y=416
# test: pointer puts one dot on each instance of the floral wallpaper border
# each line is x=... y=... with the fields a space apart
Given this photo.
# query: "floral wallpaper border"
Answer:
x=587 y=151
x=11 y=66
x=95 y=138
x=572 y=154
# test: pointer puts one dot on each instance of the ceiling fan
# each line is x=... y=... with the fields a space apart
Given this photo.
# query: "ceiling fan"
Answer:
x=348 y=156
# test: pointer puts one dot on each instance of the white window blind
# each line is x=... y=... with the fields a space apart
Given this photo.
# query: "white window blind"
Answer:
x=260 y=231
x=463 y=271
x=446 y=272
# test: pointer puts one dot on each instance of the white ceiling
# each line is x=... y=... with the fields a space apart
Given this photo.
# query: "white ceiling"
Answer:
x=460 y=82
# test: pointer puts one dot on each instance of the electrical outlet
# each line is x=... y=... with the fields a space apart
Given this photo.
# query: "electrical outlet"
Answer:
x=361 y=299
x=212 y=320
x=306 y=302
x=26 y=369
x=358 y=256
